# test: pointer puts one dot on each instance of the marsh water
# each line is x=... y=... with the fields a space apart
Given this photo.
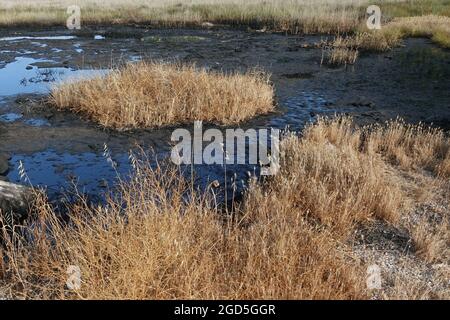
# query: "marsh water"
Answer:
x=61 y=151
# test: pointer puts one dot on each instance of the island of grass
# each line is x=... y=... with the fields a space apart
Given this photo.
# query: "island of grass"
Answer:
x=155 y=94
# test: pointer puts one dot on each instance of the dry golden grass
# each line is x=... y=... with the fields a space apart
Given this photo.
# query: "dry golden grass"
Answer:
x=334 y=181
x=382 y=40
x=341 y=51
x=344 y=50
x=289 y=238
x=412 y=147
x=143 y=95
x=433 y=247
x=342 y=56
x=435 y=27
x=292 y=15
x=444 y=167
x=400 y=17
x=422 y=26
x=305 y=16
x=165 y=245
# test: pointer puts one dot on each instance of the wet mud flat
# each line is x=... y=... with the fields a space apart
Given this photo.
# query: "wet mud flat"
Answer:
x=60 y=149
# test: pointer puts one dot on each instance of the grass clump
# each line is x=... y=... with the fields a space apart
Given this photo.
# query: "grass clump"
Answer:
x=340 y=51
x=377 y=40
x=437 y=28
x=339 y=56
x=326 y=175
x=412 y=146
x=344 y=50
x=150 y=94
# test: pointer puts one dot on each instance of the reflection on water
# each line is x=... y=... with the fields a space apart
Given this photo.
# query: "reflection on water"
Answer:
x=21 y=76
x=37 y=38
x=424 y=65
x=90 y=172
x=10 y=117
x=302 y=108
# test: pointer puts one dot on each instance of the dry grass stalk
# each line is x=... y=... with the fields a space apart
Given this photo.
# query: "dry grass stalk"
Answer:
x=341 y=51
x=433 y=247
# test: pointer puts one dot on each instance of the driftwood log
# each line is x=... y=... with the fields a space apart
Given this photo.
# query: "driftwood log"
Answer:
x=15 y=200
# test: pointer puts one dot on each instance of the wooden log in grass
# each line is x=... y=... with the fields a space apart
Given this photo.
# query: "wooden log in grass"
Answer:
x=15 y=202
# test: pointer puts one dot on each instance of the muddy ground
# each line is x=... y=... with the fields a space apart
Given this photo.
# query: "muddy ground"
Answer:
x=59 y=148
